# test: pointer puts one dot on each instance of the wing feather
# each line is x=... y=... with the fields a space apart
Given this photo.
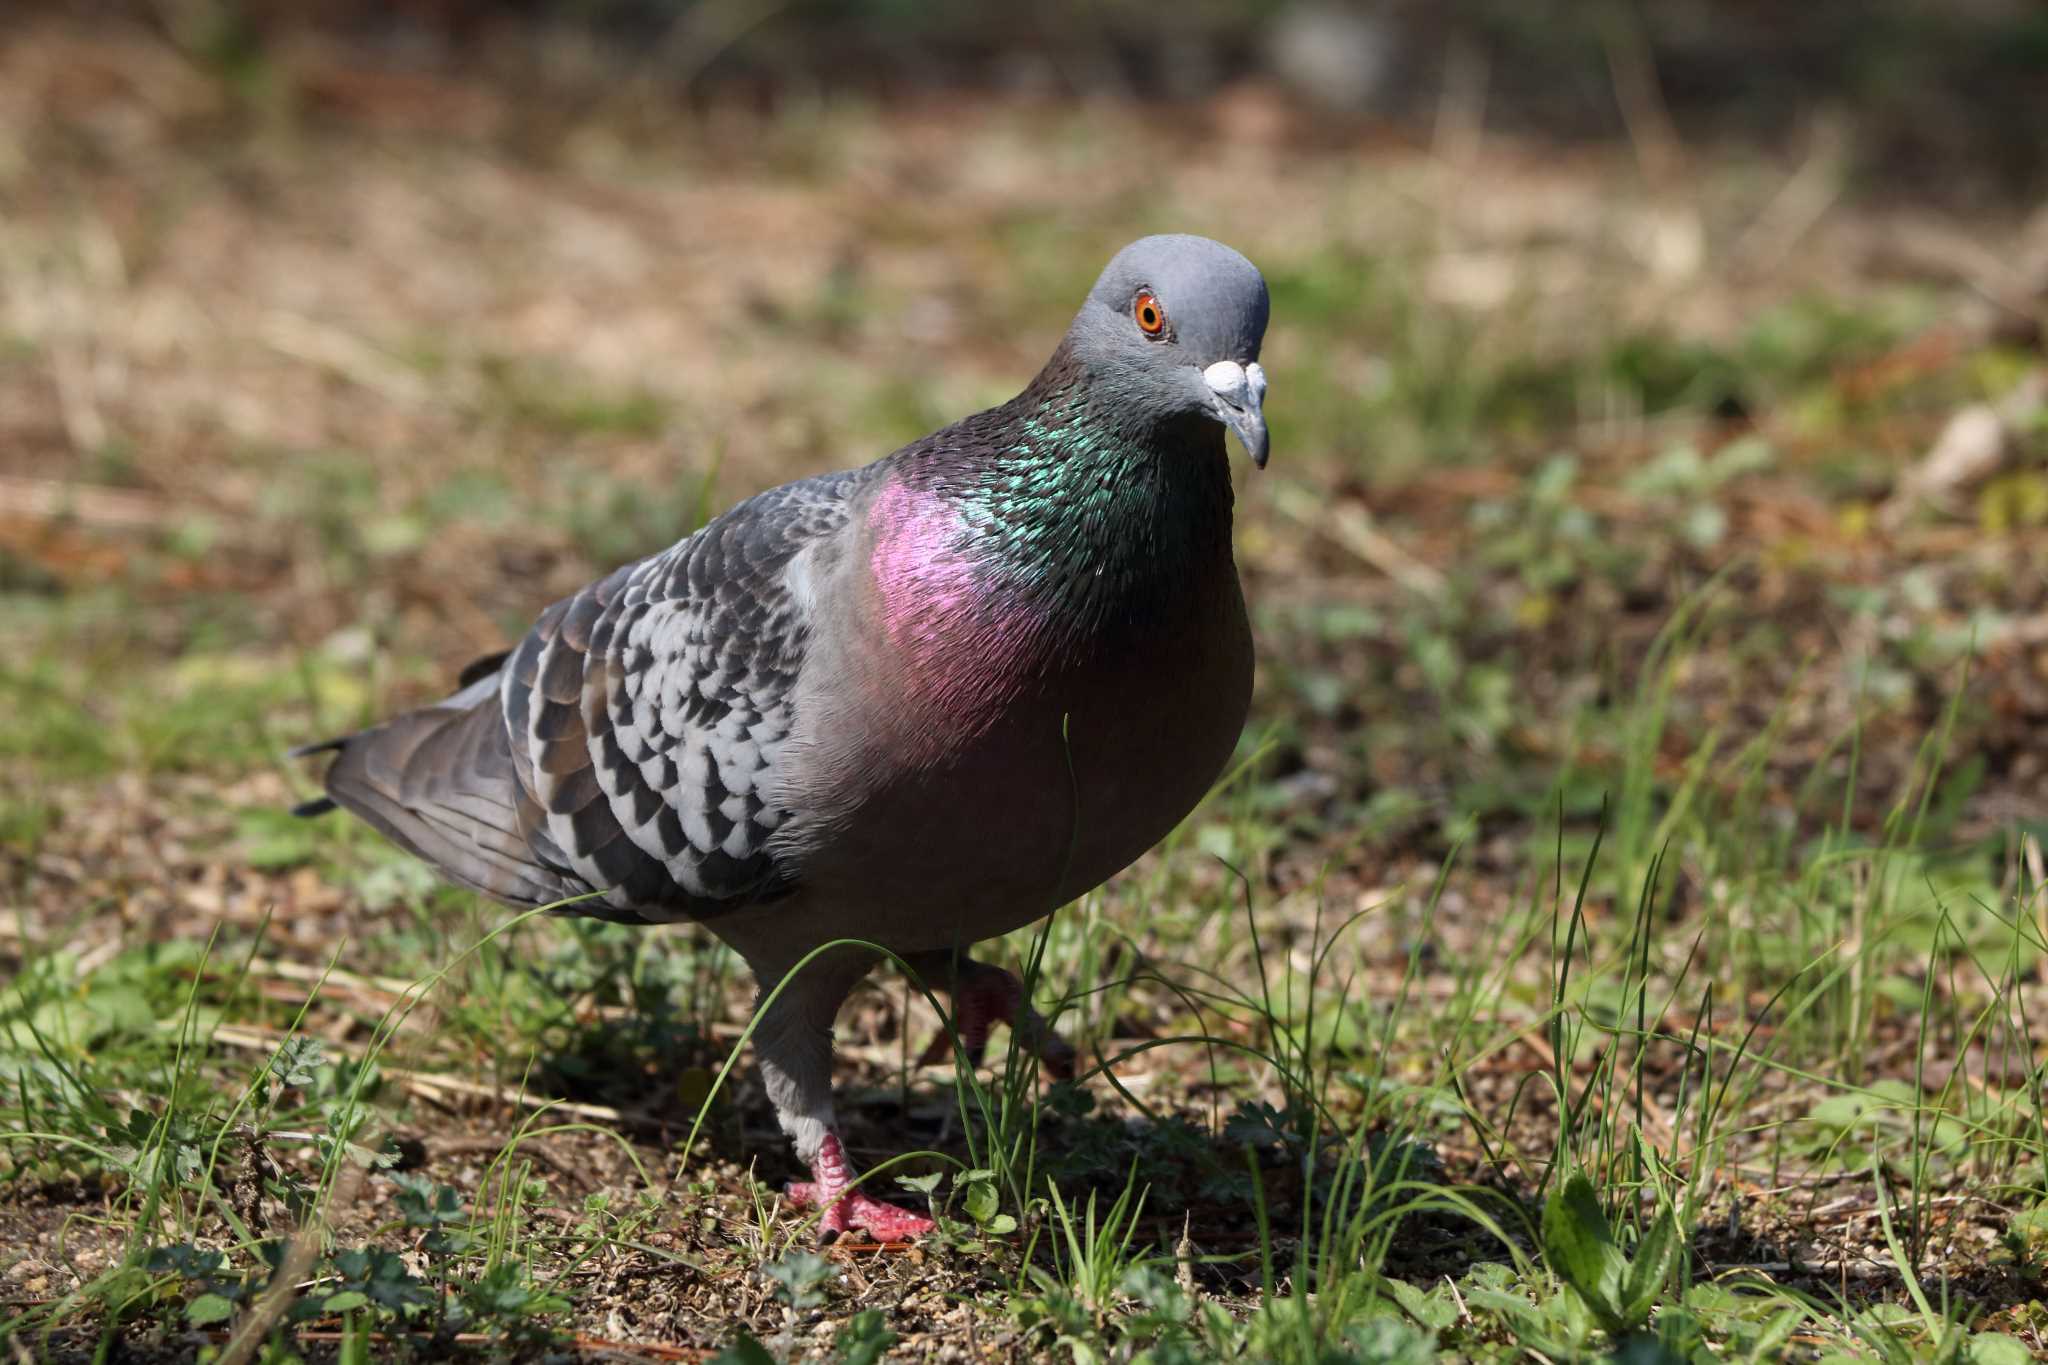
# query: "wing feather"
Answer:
x=654 y=707
x=631 y=741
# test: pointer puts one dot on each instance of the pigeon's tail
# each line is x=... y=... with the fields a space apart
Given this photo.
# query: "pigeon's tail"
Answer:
x=319 y=805
x=439 y=783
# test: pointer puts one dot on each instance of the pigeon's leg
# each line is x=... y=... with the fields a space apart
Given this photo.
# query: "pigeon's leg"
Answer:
x=984 y=996
x=794 y=1044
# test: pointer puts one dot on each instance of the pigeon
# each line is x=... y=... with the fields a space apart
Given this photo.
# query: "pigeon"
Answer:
x=918 y=704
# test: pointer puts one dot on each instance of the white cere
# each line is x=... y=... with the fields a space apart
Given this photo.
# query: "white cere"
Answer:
x=1241 y=386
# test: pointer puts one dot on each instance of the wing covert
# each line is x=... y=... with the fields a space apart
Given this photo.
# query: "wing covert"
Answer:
x=648 y=712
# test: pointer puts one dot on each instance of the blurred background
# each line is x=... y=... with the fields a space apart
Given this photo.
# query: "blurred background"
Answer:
x=335 y=338
x=1660 y=454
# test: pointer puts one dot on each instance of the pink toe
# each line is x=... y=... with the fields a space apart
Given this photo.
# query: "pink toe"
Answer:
x=837 y=1216
x=885 y=1222
x=844 y=1207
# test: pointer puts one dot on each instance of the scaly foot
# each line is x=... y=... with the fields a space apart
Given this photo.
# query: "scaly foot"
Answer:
x=845 y=1207
x=984 y=996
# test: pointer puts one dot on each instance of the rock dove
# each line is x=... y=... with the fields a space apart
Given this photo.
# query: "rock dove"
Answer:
x=920 y=703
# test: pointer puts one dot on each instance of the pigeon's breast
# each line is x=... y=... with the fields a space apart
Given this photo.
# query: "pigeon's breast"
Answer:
x=957 y=641
x=964 y=771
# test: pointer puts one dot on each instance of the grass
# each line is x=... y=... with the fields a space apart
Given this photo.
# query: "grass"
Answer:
x=1617 y=936
x=1578 y=1219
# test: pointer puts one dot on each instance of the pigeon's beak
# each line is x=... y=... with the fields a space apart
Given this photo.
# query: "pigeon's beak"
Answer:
x=1237 y=398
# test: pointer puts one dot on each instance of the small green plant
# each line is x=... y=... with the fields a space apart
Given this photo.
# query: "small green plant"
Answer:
x=800 y=1279
x=1619 y=1289
x=1092 y=1260
x=980 y=1200
x=373 y=1286
x=864 y=1340
x=745 y=1350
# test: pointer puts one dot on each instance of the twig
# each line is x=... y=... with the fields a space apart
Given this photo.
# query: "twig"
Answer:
x=470 y=1146
x=698 y=36
x=1800 y=202
x=77 y=401
x=347 y=980
x=1633 y=69
x=297 y=1261
x=1348 y=525
x=643 y=1350
x=1978 y=438
x=603 y=1113
x=93 y=504
x=431 y=1084
x=351 y=358
x=1460 y=125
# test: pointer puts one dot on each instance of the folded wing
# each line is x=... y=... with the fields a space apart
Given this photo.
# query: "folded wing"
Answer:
x=631 y=742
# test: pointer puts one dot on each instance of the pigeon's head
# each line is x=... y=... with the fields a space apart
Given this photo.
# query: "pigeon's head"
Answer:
x=1174 y=323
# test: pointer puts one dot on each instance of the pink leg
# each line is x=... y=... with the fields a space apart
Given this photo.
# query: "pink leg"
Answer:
x=984 y=996
x=831 y=1188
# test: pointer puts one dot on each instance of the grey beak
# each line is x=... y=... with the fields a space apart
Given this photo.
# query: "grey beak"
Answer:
x=1237 y=398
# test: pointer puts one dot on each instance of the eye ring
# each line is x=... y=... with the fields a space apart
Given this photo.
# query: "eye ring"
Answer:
x=1149 y=313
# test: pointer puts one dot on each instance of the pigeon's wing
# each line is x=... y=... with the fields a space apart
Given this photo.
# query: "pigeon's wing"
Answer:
x=648 y=713
x=629 y=744
x=439 y=782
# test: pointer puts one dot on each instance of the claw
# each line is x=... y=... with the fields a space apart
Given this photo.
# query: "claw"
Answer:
x=993 y=996
x=845 y=1207
x=883 y=1221
x=1057 y=1055
x=973 y=1044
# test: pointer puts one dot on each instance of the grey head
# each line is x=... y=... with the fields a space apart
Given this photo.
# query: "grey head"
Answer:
x=1174 y=323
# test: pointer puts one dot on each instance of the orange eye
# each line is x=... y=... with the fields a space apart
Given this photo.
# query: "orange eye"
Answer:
x=1151 y=317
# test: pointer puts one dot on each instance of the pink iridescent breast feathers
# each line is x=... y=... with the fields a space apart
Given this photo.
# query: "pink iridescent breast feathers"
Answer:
x=963 y=639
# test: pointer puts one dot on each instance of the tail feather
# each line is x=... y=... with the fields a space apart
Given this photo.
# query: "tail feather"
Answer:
x=324 y=746
x=476 y=670
x=439 y=783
